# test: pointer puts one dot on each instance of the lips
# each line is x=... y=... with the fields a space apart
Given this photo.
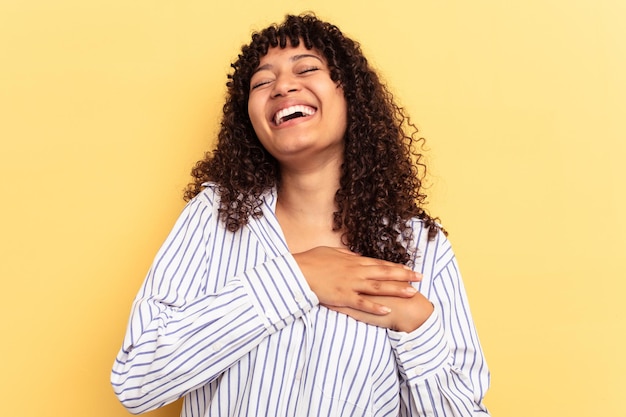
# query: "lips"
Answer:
x=292 y=112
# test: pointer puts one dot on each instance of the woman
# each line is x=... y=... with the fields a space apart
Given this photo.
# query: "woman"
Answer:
x=304 y=276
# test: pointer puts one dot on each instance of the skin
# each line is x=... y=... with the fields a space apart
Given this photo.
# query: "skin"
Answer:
x=309 y=151
x=297 y=76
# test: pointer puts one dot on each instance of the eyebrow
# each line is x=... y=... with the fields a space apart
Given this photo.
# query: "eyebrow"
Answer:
x=293 y=58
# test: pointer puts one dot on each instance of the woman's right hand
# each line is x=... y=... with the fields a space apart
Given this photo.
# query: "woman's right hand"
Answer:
x=341 y=278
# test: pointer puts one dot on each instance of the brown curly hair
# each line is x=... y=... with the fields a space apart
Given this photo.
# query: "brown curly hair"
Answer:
x=381 y=176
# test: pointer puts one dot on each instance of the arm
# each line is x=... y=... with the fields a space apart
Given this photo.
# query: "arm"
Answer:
x=440 y=361
x=442 y=366
x=180 y=335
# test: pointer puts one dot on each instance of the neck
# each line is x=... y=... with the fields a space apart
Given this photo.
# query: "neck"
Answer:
x=308 y=196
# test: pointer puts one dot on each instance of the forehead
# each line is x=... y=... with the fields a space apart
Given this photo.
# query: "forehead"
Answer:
x=290 y=53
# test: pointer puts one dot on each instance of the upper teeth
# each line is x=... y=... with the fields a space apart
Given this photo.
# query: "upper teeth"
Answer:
x=281 y=114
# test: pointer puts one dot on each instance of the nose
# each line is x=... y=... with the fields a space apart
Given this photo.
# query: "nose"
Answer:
x=284 y=85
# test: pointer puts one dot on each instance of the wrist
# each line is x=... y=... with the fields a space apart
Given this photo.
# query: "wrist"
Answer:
x=414 y=321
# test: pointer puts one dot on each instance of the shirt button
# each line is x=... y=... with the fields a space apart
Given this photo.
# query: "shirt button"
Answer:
x=216 y=347
x=408 y=347
x=298 y=297
x=418 y=370
x=298 y=374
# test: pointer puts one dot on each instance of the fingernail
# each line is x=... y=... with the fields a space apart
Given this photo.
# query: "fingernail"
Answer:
x=385 y=310
x=410 y=290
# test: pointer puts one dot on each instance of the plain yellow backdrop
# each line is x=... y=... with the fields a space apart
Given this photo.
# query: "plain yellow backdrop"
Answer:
x=105 y=106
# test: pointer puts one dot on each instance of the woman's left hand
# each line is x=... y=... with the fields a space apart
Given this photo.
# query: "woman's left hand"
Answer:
x=407 y=314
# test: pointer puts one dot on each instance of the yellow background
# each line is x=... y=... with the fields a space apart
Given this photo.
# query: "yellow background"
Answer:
x=105 y=106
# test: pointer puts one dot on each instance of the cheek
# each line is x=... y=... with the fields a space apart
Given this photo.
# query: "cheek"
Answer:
x=340 y=98
x=255 y=105
x=342 y=107
x=251 y=108
x=256 y=113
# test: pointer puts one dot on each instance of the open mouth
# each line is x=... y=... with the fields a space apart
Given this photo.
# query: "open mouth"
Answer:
x=293 y=112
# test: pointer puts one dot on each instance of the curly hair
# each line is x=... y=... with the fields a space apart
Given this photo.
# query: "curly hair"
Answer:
x=380 y=187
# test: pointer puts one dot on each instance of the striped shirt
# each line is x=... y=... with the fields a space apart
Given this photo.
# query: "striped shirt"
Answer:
x=228 y=321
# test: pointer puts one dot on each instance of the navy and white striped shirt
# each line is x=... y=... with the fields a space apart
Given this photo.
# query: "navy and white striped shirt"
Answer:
x=228 y=321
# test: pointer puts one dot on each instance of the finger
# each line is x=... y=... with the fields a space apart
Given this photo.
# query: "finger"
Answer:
x=346 y=251
x=368 y=306
x=386 y=288
x=385 y=266
x=392 y=272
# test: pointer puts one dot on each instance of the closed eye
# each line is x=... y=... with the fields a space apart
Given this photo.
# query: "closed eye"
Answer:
x=259 y=84
x=308 y=69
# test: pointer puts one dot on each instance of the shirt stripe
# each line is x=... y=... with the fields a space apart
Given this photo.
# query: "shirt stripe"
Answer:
x=227 y=321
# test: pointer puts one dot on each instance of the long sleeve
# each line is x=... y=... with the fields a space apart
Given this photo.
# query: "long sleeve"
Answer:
x=442 y=367
x=186 y=327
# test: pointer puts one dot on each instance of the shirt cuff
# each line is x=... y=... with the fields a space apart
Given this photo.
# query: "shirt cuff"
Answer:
x=421 y=352
x=279 y=291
